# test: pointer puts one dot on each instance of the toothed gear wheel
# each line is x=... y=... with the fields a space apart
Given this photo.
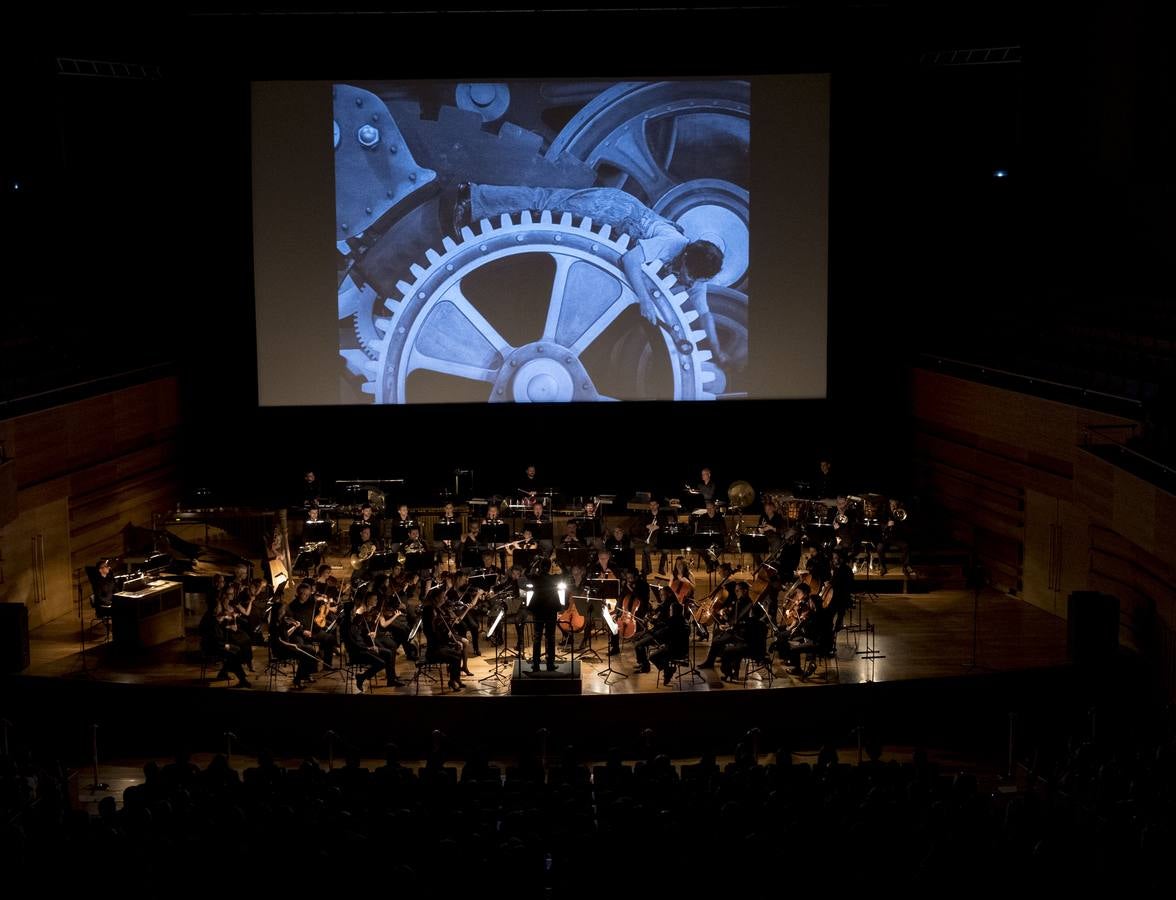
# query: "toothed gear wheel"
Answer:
x=452 y=142
x=437 y=330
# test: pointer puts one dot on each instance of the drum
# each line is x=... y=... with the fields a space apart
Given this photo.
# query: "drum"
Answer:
x=795 y=510
x=753 y=542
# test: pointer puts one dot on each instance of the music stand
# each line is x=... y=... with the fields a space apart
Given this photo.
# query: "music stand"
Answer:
x=540 y=531
x=609 y=621
x=417 y=562
x=497 y=675
x=380 y=562
x=494 y=534
x=567 y=557
x=447 y=534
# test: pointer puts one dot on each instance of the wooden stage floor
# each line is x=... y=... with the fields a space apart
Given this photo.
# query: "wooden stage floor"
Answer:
x=923 y=636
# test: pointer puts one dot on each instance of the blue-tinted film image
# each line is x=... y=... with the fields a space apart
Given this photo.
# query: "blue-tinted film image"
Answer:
x=543 y=241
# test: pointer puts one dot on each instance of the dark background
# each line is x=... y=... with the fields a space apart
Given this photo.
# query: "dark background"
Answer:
x=127 y=202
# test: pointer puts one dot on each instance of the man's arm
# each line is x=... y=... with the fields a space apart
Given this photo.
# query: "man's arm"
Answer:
x=697 y=293
x=632 y=263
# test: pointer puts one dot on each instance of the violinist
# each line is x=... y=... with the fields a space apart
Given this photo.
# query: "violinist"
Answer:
x=441 y=643
x=290 y=639
x=458 y=604
x=390 y=630
x=305 y=608
x=600 y=569
x=215 y=642
x=363 y=650
x=227 y=616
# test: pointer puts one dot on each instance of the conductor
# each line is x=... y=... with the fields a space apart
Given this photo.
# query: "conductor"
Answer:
x=544 y=600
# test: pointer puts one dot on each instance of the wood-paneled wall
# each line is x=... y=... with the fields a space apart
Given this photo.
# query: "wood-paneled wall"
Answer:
x=83 y=472
x=1015 y=482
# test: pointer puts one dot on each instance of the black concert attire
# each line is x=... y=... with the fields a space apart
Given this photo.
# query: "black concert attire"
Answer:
x=363 y=650
x=288 y=642
x=536 y=526
x=814 y=634
x=656 y=625
x=674 y=633
x=775 y=536
x=469 y=553
x=842 y=592
x=214 y=642
x=650 y=544
x=621 y=550
x=589 y=528
x=596 y=604
x=544 y=609
x=310 y=492
x=393 y=634
x=399 y=529
x=234 y=634
x=439 y=645
x=845 y=537
x=736 y=611
x=353 y=532
x=893 y=535
x=824 y=485
x=712 y=530
x=706 y=489
x=103 y=588
x=750 y=640
x=325 y=641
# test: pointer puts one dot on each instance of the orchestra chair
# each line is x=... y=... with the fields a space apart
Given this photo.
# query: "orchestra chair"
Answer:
x=825 y=663
x=681 y=669
x=280 y=662
x=423 y=664
x=761 y=667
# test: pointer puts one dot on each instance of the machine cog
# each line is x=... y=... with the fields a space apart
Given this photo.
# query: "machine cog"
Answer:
x=562 y=304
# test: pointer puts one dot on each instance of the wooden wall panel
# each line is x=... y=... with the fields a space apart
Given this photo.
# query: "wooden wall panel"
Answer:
x=85 y=471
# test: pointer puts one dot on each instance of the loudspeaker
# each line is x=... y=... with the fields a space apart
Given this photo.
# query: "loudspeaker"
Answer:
x=1092 y=627
x=14 y=637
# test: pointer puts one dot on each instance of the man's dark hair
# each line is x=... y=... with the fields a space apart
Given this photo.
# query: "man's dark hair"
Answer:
x=703 y=259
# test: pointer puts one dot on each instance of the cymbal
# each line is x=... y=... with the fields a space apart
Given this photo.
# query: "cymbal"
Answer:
x=740 y=493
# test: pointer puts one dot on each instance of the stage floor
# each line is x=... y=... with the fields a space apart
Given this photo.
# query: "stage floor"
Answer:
x=914 y=637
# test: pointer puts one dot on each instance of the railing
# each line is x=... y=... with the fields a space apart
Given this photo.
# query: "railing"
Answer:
x=1073 y=394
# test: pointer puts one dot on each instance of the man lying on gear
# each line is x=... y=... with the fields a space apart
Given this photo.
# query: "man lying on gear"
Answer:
x=692 y=262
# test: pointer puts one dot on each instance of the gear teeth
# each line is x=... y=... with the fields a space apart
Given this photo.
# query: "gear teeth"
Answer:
x=703 y=355
x=623 y=241
x=467 y=233
x=382 y=325
x=371 y=368
x=708 y=375
x=449 y=244
x=355 y=360
x=669 y=281
x=697 y=336
x=405 y=289
x=689 y=316
x=485 y=227
x=565 y=220
x=545 y=217
x=393 y=305
x=432 y=256
x=526 y=218
x=605 y=231
x=417 y=271
x=679 y=299
x=586 y=223
x=368 y=387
